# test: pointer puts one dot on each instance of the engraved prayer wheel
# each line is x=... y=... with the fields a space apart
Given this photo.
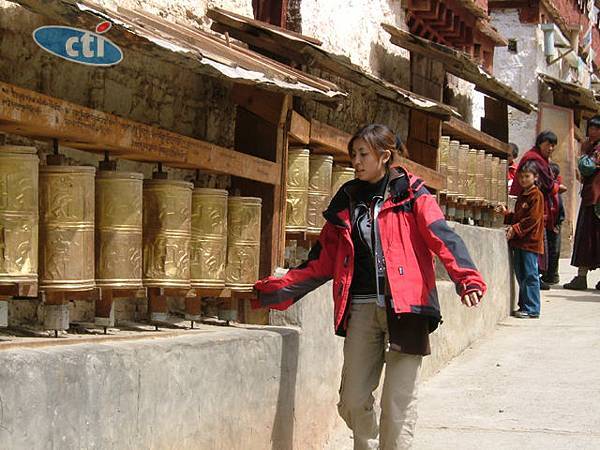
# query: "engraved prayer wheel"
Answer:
x=67 y=227
x=167 y=232
x=472 y=175
x=494 y=195
x=479 y=177
x=18 y=214
x=319 y=190
x=339 y=176
x=297 y=189
x=487 y=178
x=443 y=153
x=209 y=237
x=243 y=242
x=119 y=229
x=452 y=168
x=463 y=162
x=503 y=182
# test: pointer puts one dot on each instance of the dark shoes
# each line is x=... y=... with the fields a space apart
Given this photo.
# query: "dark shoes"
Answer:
x=551 y=280
x=544 y=286
x=578 y=283
x=524 y=315
x=598 y=285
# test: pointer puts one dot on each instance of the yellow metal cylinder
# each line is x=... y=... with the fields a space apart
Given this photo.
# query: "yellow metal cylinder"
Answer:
x=167 y=232
x=479 y=176
x=494 y=195
x=471 y=184
x=67 y=227
x=452 y=183
x=339 y=176
x=463 y=162
x=209 y=237
x=243 y=242
x=297 y=189
x=487 y=178
x=503 y=182
x=443 y=155
x=319 y=190
x=18 y=214
x=119 y=229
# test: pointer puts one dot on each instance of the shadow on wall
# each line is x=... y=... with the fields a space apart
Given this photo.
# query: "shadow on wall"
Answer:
x=391 y=67
x=282 y=435
x=462 y=102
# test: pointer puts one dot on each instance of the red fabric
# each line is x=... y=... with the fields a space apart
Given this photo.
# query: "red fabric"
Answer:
x=408 y=245
x=590 y=192
x=512 y=171
x=546 y=182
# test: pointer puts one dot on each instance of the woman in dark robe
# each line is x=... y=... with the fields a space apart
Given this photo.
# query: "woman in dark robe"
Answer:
x=586 y=249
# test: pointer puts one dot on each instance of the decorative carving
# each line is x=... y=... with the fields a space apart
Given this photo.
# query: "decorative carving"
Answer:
x=67 y=227
x=167 y=218
x=119 y=229
x=18 y=214
x=297 y=189
x=209 y=237
x=243 y=242
x=339 y=176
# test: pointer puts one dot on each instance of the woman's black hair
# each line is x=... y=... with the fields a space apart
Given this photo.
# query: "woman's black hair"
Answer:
x=593 y=122
x=555 y=169
x=529 y=167
x=546 y=136
x=514 y=149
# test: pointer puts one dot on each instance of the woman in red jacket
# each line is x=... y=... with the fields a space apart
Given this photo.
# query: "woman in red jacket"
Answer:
x=381 y=233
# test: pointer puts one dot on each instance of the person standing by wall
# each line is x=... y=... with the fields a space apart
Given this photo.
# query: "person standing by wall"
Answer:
x=382 y=231
x=526 y=238
x=550 y=276
x=540 y=155
x=586 y=249
x=512 y=164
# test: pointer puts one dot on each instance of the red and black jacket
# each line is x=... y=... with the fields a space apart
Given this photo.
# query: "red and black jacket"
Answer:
x=411 y=229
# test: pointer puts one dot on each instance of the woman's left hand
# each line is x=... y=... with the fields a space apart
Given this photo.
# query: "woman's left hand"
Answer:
x=472 y=299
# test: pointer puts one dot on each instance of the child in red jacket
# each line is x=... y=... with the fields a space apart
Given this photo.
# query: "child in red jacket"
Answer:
x=526 y=238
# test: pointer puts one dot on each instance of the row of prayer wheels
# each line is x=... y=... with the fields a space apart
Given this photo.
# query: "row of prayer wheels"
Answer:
x=311 y=181
x=115 y=229
x=471 y=174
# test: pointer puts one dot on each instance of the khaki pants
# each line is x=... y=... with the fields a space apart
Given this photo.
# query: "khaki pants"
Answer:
x=365 y=351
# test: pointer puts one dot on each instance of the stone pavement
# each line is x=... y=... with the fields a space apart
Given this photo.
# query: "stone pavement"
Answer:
x=533 y=384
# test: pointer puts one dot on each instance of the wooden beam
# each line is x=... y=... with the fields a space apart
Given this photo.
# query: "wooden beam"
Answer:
x=329 y=139
x=459 y=130
x=299 y=129
x=432 y=178
x=29 y=113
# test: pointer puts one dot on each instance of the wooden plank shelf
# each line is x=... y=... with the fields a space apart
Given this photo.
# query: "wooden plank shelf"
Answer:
x=466 y=134
x=19 y=290
x=29 y=113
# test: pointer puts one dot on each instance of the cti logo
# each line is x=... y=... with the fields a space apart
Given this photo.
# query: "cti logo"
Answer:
x=80 y=46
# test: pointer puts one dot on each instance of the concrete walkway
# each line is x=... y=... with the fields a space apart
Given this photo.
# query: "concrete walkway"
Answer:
x=533 y=384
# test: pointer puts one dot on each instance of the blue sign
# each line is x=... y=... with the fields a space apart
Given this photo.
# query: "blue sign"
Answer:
x=77 y=45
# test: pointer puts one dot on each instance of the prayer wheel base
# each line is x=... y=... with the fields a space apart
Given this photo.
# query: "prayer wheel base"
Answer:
x=158 y=317
x=56 y=317
x=295 y=229
x=208 y=284
x=3 y=314
x=230 y=315
x=106 y=321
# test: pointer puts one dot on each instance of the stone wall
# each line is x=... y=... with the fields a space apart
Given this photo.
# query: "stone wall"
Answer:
x=218 y=388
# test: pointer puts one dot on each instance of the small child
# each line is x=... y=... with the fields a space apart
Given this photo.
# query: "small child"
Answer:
x=526 y=238
x=553 y=236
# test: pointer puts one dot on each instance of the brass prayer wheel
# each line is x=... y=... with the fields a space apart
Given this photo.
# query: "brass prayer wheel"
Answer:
x=297 y=189
x=209 y=238
x=339 y=176
x=503 y=182
x=18 y=214
x=443 y=153
x=463 y=162
x=494 y=196
x=167 y=232
x=487 y=178
x=479 y=176
x=452 y=168
x=319 y=190
x=243 y=242
x=67 y=227
x=472 y=175
x=119 y=229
